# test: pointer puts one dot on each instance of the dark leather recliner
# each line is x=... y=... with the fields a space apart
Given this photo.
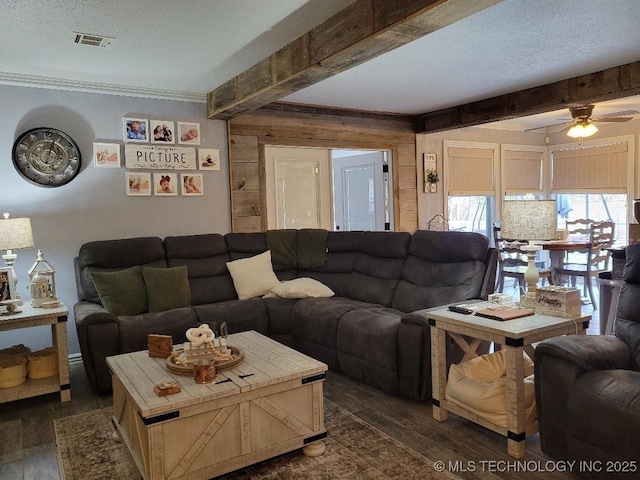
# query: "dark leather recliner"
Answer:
x=588 y=390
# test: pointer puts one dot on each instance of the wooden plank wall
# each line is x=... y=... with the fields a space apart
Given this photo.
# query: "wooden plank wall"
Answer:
x=292 y=126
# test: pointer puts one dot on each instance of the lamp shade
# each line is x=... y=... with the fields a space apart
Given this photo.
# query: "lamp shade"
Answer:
x=15 y=233
x=582 y=130
x=529 y=220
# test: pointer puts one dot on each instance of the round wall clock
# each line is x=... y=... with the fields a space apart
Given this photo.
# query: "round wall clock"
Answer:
x=46 y=157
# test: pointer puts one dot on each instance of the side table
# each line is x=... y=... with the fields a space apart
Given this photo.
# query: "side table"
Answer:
x=34 y=317
x=515 y=336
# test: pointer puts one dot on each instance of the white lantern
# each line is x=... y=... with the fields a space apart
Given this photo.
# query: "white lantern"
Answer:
x=42 y=281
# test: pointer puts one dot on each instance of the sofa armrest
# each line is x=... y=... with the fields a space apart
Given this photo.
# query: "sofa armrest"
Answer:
x=414 y=353
x=98 y=337
x=414 y=356
x=587 y=352
x=559 y=362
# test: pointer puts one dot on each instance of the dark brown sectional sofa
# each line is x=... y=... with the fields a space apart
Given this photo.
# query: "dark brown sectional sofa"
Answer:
x=367 y=330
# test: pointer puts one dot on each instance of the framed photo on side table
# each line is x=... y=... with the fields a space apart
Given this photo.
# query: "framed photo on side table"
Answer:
x=7 y=285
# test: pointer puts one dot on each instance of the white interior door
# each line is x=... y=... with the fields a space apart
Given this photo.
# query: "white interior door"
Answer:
x=360 y=185
x=298 y=188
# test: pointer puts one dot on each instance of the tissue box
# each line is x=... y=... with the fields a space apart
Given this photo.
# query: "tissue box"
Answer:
x=558 y=301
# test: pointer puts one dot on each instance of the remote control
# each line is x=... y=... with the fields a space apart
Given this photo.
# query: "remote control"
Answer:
x=459 y=309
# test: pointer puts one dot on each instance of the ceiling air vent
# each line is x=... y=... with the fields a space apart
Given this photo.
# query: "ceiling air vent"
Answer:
x=91 y=39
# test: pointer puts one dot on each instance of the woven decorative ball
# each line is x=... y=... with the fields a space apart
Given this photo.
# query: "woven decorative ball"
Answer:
x=13 y=371
x=16 y=351
x=43 y=363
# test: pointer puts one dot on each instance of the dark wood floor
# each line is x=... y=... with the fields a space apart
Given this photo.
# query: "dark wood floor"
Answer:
x=28 y=451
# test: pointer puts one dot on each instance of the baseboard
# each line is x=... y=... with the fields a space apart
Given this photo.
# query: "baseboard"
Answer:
x=75 y=358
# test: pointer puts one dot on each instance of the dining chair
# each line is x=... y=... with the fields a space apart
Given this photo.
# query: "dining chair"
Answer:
x=579 y=227
x=512 y=262
x=601 y=238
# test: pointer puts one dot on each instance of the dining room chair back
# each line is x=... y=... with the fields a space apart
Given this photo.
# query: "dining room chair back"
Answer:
x=598 y=258
x=512 y=262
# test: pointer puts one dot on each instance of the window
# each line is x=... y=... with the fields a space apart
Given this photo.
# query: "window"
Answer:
x=470 y=175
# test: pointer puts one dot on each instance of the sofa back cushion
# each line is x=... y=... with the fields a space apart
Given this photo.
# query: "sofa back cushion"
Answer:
x=441 y=267
x=205 y=257
x=340 y=260
x=627 y=326
x=378 y=267
x=112 y=255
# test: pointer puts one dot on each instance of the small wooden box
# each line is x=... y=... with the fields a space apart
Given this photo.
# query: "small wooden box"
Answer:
x=558 y=301
x=160 y=346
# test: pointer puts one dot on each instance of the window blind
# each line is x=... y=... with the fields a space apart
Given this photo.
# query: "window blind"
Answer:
x=602 y=168
x=522 y=171
x=470 y=171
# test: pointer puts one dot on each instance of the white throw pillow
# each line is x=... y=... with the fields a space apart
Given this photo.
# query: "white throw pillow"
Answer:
x=253 y=276
x=302 y=288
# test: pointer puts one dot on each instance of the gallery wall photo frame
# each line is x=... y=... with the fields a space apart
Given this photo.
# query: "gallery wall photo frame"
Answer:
x=188 y=133
x=7 y=284
x=106 y=155
x=136 y=130
x=165 y=184
x=138 y=184
x=191 y=184
x=209 y=159
x=162 y=131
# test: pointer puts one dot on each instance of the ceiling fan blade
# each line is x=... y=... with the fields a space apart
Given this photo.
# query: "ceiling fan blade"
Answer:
x=549 y=126
x=623 y=113
x=612 y=119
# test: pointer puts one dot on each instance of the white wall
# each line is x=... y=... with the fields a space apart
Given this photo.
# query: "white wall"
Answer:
x=94 y=205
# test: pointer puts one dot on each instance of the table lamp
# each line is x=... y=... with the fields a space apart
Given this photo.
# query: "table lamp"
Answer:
x=529 y=220
x=15 y=233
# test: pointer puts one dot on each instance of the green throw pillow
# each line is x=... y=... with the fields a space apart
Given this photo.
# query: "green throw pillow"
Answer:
x=122 y=292
x=167 y=288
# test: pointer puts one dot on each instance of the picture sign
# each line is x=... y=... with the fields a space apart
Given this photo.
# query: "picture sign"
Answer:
x=156 y=157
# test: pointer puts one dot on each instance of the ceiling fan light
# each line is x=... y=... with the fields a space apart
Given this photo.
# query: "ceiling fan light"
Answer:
x=582 y=130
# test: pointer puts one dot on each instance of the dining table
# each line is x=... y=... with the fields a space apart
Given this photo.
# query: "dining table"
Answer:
x=557 y=248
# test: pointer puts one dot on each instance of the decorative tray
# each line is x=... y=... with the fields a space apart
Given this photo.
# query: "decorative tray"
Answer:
x=238 y=356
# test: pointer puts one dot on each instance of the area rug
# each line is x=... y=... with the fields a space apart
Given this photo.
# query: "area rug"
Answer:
x=355 y=450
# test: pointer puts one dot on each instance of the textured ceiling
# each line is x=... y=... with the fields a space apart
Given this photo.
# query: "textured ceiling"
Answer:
x=183 y=50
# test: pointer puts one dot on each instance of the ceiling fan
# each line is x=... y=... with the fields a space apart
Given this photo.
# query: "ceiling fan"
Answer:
x=582 y=123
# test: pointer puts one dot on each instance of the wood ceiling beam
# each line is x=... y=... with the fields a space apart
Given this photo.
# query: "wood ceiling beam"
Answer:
x=610 y=84
x=360 y=32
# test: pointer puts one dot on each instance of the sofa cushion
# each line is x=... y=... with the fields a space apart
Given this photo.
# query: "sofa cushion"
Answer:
x=133 y=329
x=122 y=292
x=367 y=342
x=240 y=315
x=378 y=266
x=206 y=258
x=315 y=326
x=167 y=288
x=111 y=255
x=440 y=268
x=253 y=276
x=302 y=288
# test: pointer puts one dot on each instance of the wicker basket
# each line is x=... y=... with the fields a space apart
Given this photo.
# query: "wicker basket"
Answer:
x=43 y=363
x=13 y=371
x=16 y=351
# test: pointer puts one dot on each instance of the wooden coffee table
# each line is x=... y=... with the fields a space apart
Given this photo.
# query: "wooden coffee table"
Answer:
x=269 y=404
x=515 y=336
